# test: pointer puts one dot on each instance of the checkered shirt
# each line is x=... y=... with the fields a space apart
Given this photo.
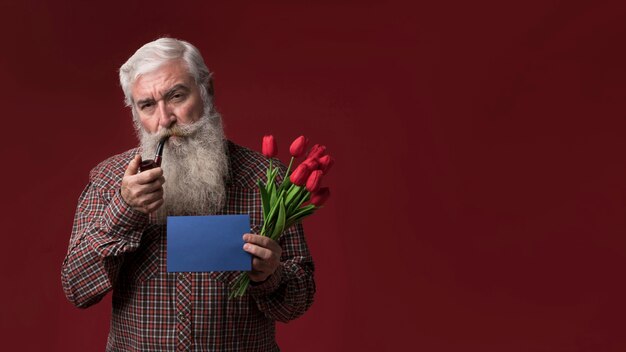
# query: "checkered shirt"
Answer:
x=113 y=247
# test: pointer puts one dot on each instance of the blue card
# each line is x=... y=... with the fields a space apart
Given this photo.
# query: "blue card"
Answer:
x=207 y=243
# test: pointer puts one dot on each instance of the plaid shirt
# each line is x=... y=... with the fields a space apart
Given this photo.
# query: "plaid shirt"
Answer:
x=114 y=247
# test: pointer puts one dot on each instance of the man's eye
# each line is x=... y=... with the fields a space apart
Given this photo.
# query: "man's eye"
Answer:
x=146 y=106
x=178 y=97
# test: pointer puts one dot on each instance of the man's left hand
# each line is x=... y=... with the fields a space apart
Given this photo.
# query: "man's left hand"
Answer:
x=266 y=256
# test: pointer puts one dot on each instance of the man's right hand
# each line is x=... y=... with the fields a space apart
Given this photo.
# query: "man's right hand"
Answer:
x=143 y=191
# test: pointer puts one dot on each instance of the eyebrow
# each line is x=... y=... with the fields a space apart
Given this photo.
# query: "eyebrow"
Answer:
x=167 y=94
x=175 y=88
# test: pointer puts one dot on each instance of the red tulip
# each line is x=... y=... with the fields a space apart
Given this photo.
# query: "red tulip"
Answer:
x=314 y=181
x=325 y=163
x=298 y=146
x=269 y=146
x=316 y=151
x=313 y=164
x=318 y=198
x=299 y=176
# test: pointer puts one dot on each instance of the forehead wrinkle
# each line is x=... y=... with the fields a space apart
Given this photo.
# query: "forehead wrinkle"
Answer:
x=167 y=93
x=156 y=91
x=160 y=82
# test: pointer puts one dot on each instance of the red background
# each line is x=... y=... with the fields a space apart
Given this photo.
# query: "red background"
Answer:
x=478 y=195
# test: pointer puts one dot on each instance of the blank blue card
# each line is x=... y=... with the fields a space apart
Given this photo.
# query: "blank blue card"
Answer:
x=207 y=243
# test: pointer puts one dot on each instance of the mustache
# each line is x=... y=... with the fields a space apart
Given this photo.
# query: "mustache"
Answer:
x=178 y=130
x=183 y=131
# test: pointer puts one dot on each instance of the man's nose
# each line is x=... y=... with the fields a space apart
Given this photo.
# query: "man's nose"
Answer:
x=166 y=115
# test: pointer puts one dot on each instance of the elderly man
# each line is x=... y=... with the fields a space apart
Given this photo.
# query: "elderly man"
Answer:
x=118 y=239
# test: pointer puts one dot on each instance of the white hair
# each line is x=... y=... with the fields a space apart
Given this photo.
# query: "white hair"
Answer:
x=153 y=55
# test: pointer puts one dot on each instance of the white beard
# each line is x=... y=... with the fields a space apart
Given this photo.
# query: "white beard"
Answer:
x=195 y=166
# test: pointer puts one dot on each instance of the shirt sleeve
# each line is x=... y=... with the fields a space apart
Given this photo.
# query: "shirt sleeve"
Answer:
x=105 y=228
x=289 y=291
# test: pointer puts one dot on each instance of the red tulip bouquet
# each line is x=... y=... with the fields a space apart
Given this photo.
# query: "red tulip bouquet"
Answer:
x=298 y=196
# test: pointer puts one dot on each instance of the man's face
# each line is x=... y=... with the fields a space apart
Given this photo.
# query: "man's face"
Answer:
x=167 y=96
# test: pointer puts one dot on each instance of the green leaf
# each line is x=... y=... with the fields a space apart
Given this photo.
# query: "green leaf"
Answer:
x=268 y=221
x=293 y=220
x=270 y=175
x=276 y=196
x=274 y=174
x=264 y=199
x=295 y=205
x=302 y=212
x=273 y=212
x=273 y=196
x=292 y=194
x=285 y=184
x=280 y=222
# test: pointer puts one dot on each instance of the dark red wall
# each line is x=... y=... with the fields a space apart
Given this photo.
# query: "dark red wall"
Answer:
x=479 y=194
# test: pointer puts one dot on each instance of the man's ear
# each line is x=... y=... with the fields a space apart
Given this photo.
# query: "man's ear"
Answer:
x=210 y=87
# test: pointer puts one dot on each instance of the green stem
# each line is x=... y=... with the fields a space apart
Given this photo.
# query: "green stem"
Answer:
x=289 y=168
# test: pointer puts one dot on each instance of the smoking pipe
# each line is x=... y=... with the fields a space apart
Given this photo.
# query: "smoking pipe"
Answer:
x=151 y=164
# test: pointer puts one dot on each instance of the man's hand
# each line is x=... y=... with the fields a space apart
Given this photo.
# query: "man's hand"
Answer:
x=144 y=191
x=266 y=256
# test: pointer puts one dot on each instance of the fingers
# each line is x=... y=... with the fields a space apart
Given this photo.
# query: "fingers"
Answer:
x=262 y=241
x=147 y=203
x=145 y=199
x=261 y=270
x=146 y=176
x=149 y=187
x=266 y=255
x=149 y=176
x=142 y=191
x=136 y=190
x=133 y=166
x=261 y=266
x=258 y=251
